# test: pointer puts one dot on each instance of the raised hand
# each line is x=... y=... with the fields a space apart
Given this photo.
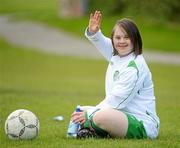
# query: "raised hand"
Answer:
x=94 y=22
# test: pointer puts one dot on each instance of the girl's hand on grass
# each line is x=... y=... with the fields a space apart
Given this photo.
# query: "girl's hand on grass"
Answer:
x=94 y=22
x=78 y=117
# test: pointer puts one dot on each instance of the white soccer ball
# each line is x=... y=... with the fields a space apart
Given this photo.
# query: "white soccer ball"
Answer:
x=22 y=124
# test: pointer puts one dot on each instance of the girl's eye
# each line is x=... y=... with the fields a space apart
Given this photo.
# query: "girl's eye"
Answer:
x=118 y=37
x=126 y=37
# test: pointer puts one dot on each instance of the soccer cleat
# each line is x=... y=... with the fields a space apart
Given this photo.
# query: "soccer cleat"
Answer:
x=86 y=133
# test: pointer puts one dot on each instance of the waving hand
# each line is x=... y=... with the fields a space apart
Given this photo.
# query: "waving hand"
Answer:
x=94 y=22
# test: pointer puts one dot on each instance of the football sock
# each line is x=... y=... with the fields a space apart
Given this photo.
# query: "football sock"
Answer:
x=99 y=131
x=89 y=123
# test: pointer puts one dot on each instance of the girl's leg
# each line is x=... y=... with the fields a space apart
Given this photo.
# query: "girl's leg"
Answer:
x=112 y=121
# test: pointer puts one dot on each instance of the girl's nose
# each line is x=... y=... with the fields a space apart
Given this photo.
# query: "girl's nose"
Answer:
x=121 y=40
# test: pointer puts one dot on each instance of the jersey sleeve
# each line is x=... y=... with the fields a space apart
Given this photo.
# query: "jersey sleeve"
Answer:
x=124 y=89
x=102 y=43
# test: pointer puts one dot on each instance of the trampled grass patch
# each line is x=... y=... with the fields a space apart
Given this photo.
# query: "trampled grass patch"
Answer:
x=50 y=85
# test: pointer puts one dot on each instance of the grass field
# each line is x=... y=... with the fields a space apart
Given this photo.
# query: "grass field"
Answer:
x=157 y=33
x=51 y=85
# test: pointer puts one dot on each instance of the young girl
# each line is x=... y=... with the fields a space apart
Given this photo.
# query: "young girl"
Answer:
x=128 y=109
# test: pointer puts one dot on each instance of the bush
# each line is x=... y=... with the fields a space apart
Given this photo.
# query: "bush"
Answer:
x=166 y=9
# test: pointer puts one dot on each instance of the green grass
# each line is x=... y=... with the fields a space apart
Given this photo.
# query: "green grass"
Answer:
x=157 y=33
x=51 y=85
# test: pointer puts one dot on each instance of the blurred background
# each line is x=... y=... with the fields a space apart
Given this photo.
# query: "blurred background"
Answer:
x=158 y=20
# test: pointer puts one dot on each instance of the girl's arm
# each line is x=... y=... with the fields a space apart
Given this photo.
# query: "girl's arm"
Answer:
x=124 y=89
x=93 y=33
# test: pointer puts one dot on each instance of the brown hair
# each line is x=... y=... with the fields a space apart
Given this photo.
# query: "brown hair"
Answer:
x=131 y=29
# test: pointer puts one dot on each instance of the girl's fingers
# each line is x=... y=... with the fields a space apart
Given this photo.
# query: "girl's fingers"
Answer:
x=76 y=113
x=96 y=15
x=99 y=19
x=78 y=117
x=79 y=120
x=91 y=16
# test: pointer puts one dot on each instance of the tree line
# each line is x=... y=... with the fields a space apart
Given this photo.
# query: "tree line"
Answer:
x=166 y=9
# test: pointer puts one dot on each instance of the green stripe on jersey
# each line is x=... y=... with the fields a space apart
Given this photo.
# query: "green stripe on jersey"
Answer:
x=132 y=64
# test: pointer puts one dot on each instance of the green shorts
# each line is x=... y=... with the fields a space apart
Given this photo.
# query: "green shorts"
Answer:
x=135 y=128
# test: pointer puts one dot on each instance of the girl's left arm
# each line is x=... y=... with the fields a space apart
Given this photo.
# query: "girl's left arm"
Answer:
x=125 y=88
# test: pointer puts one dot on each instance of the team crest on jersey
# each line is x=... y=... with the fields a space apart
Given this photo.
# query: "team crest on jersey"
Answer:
x=116 y=75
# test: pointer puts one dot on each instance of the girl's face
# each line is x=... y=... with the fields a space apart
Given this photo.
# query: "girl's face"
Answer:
x=122 y=42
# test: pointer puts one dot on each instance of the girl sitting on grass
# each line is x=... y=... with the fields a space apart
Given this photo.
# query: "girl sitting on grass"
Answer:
x=128 y=109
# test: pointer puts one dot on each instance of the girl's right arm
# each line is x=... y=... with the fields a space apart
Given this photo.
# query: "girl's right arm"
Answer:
x=93 y=33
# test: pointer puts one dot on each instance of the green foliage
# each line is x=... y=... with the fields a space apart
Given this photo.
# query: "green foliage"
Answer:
x=106 y=6
x=166 y=9
x=49 y=85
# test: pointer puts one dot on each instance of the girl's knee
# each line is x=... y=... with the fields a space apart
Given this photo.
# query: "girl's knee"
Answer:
x=100 y=117
x=105 y=117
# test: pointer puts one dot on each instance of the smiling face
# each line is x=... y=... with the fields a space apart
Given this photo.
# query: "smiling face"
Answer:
x=126 y=38
x=122 y=42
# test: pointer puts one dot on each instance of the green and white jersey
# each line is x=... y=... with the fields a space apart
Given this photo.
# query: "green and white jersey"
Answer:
x=129 y=85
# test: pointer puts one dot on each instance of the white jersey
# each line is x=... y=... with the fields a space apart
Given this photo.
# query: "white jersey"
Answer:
x=129 y=85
